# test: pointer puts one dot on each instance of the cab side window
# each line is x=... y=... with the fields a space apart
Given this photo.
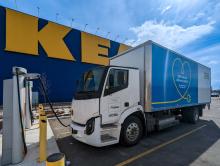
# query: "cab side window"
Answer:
x=117 y=80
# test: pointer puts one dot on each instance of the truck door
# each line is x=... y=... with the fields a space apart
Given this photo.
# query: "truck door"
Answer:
x=113 y=97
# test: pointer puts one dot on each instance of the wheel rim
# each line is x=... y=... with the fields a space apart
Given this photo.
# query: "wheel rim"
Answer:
x=132 y=132
x=196 y=116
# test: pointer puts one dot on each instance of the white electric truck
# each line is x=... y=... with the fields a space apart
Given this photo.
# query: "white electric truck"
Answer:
x=146 y=88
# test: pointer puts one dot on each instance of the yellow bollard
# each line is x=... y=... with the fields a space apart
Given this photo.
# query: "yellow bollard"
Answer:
x=43 y=139
x=56 y=159
x=43 y=135
x=41 y=110
x=40 y=106
x=41 y=113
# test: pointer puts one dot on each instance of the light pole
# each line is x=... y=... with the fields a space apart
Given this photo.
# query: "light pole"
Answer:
x=57 y=14
x=125 y=39
x=116 y=37
x=16 y=5
x=38 y=11
x=85 y=27
x=71 y=25
x=133 y=42
x=97 y=30
x=108 y=34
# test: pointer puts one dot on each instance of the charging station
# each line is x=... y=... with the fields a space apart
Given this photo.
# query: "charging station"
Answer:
x=17 y=115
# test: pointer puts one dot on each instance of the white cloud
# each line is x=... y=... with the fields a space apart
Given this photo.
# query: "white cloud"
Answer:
x=199 y=15
x=213 y=62
x=166 y=9
x=172 y=36
x=209 y=56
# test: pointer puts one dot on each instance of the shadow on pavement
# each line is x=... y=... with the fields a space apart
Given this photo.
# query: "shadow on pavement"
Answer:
x=181 y=152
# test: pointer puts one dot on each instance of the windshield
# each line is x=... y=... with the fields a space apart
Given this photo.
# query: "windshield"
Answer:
x=90 y=80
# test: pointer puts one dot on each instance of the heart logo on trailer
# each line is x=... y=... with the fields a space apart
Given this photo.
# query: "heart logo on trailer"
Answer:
x=181 y=73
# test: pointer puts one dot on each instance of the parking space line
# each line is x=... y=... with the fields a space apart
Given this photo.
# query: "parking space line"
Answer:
x=158 y=147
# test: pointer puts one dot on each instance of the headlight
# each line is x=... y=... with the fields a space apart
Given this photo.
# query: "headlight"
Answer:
x=90 y=125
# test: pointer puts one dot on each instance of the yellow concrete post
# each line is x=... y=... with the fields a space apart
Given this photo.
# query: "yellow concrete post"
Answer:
x=43 y=134
x=43 y=139
x=40 y=107
x=41 y=113
x=56 y=159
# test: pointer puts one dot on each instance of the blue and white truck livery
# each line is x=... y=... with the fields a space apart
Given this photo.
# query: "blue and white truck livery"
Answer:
x=146 y=88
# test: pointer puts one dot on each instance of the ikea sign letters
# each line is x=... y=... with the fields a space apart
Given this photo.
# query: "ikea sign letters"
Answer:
x=23 y=35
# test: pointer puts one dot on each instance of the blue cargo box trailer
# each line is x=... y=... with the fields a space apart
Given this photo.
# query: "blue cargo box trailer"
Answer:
x=168 y=80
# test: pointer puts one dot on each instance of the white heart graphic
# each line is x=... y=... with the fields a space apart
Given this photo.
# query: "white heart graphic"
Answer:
x=180 y=83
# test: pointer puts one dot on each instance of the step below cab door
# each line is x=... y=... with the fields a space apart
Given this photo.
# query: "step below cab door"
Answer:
x=115 y=95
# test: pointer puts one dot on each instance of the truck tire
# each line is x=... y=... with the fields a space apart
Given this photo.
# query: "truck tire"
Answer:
x=184 y=114
x=132 y=131
x=191 y=115
x=194 y=116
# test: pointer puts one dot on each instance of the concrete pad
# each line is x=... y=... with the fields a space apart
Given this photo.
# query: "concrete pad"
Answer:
x=32 y=141
x=210 y=157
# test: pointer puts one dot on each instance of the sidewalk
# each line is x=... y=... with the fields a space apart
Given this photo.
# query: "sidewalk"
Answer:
x=32 y=141
x=211 y=156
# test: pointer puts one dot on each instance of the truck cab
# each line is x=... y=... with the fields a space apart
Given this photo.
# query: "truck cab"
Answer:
x=105 y=97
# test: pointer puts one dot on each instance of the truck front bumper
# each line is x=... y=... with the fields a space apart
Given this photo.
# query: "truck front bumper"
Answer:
x=94 y=139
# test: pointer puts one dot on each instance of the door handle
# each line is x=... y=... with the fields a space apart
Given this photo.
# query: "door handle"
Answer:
x=126 y=104
x=114 y=107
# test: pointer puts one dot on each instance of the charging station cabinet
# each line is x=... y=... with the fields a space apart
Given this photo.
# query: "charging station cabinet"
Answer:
x=13 y=142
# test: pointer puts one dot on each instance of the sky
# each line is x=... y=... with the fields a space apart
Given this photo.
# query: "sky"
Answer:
x=189 y=27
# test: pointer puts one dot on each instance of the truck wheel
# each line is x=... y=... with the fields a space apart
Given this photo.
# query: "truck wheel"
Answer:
x=132 y=131
x=191 y=115
x=185 y=116
x=194 y=116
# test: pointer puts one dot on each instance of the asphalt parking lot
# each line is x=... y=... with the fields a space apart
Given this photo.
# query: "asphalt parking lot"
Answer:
x=181 y=145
